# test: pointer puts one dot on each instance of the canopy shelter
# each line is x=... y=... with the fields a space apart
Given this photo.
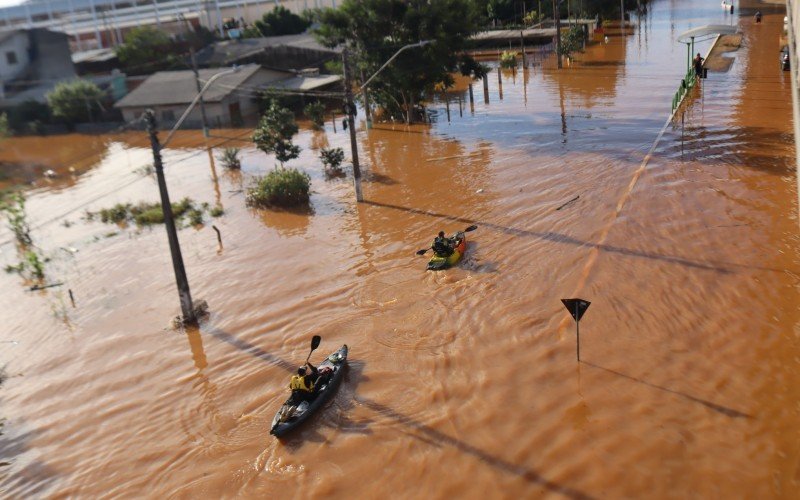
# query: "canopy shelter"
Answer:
x=703 y=33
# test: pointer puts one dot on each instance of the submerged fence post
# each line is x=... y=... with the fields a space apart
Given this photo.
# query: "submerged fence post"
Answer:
x=486 y=90
x=471 y=100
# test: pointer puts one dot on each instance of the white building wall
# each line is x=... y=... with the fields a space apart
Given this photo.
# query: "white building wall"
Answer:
x=18 y=44
x=166 y=116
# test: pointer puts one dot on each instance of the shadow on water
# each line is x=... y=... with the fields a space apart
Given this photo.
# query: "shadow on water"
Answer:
x=745 y=147
x=436 y=438
x=728 y=412
x=569 y=240
x=30 y=480
x=249 y=348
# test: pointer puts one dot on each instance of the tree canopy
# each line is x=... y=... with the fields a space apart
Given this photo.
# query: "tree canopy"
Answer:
x=375 y=29
x=281 y=21
x=145 y=50
x=274 y=133
x=75 y=101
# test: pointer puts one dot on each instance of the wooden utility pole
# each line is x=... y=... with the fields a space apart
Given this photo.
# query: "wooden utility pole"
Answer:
x=557 y=19
x=350 y=109
x=197 y=84
x=185 y=295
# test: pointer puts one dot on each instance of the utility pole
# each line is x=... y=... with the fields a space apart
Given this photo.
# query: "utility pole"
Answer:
x=622 y=14
x=557 y=19
x=350 y=109
x=197 y=84
x=169 y=221
x=365 y=96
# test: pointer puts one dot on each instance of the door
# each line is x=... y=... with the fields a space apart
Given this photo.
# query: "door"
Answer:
x=235 y=114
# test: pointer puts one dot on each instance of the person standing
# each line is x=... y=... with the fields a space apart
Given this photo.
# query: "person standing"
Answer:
x=698 y=65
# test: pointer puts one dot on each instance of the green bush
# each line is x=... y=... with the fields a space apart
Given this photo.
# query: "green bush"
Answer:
x=145 y=214
x=230 y=158
x=5 y=128
x=217 y=211
x=75 y=101
x=281 y=21
x=28 y=117
x=331 y=158
x=315 y=111
x=508 y=59
x=282 y=187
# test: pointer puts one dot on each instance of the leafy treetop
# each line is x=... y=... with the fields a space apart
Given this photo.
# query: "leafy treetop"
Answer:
x=376 y=29
x=281 y=21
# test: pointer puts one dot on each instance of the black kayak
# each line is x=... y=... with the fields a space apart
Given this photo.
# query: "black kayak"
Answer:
x=291 y=415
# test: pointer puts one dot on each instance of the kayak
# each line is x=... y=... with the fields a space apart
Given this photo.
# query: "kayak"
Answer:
x=439 y=262
x=291 y=415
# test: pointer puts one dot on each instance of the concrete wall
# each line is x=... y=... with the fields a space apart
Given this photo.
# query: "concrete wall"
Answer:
x=793 y=13
x=19 y=44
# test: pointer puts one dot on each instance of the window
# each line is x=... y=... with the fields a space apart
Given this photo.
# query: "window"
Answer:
x=168 y=115
x=11 y=57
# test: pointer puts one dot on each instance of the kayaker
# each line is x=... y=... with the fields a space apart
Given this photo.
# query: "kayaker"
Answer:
x=442 y=246
x=302 y=384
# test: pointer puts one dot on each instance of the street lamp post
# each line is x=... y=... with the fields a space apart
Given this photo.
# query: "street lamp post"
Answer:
x=350 y=108
x=187 y=308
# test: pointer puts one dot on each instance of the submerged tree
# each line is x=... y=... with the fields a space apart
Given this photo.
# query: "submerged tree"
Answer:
x=75 y=101
x=274 y=133
x=572 y=41
x=376 y=29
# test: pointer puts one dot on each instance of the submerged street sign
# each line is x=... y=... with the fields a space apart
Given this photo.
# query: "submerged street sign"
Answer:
x=576 y=307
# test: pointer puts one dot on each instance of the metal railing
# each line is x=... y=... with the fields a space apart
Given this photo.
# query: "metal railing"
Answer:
x=687 y=84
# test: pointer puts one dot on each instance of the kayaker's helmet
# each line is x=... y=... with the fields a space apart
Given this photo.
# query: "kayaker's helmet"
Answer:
x=441 y=234
x=301 y=371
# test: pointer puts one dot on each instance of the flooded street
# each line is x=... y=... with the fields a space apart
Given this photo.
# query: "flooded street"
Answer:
x=464 y=383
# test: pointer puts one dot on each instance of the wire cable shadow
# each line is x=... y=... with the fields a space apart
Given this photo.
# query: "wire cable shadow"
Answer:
x=250 y=349
x=728 y=412
x=569 y=240
x=434 y=437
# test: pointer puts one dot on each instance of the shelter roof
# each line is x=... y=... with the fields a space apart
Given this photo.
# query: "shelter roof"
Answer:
x=708 y=30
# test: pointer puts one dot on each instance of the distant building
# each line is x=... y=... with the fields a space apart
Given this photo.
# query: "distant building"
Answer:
x=32 y=62
x=230 y=101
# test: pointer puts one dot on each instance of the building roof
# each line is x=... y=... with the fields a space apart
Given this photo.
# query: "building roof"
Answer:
x=5 y=35
x=229 y=51
x=179 y=87
x=709 y=30
x=94 y=55
x=302 y=82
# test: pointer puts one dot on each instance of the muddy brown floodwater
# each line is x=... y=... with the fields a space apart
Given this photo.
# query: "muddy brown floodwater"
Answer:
x=461 y=384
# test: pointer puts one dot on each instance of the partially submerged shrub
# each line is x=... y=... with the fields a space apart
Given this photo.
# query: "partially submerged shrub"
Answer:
x=230 y=158
x=282 y=187
x=508 y=59
x=14 y=209
x=331 y=158
x=315 y=111
x=145 y=214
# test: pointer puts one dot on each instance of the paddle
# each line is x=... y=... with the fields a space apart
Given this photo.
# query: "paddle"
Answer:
x=468 y=229
x=315 y=340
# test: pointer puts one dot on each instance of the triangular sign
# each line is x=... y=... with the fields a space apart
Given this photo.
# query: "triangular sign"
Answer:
x=573 y=304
